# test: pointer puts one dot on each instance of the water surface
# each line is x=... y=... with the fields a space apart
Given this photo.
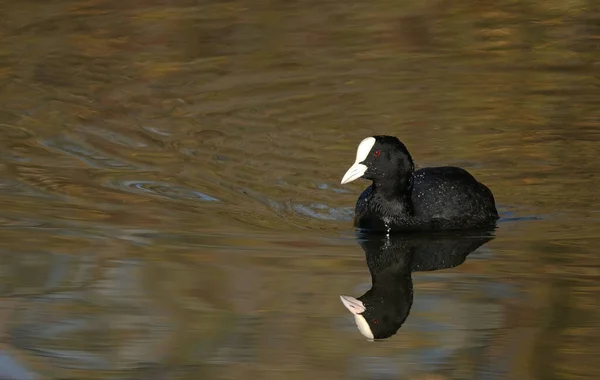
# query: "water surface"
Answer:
x=171 y=206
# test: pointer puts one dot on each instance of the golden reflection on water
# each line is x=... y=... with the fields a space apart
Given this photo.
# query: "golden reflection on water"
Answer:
x=171 y=207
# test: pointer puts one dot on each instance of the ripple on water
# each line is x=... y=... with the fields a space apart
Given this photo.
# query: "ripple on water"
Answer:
x=12 y=187
x=10 y=139
x=325 y=186
x=512 y=214
x=161 y=189
x=324 y=212
x=311 y=209
x=85 y=153
x=114 y=137
x=12 y=133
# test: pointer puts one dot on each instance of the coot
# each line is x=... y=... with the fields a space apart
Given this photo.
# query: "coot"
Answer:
x=402 y=199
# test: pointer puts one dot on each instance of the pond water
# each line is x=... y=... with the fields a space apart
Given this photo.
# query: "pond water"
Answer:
x=171 y=200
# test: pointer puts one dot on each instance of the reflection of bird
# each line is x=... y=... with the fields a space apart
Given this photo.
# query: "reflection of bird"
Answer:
x=382 y=310
x=402 y=199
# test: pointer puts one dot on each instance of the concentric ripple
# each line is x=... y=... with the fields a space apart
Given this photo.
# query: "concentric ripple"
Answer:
x=162 y=190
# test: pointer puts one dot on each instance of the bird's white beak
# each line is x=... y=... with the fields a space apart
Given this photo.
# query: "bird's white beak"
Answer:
x=355 y=306
x=356 y=171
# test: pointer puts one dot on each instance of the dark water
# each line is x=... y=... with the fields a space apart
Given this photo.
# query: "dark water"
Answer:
x=171 y=207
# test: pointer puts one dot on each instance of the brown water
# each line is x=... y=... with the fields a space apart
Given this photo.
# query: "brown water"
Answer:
x=171 y=207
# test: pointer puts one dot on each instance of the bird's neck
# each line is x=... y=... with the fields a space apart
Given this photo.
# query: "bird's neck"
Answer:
x=394 y=187
x=395 y=195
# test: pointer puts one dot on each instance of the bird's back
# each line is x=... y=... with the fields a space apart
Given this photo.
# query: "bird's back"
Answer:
x=451 y=193
x=441 y=198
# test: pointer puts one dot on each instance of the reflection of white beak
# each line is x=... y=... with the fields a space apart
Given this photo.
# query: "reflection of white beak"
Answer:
x=356 y=171
x=355 y=306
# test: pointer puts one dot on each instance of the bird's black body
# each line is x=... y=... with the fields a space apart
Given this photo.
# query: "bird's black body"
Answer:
x=401 y=199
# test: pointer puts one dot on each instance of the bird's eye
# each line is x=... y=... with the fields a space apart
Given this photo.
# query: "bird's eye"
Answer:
x=377 y=153
x=375 y=321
